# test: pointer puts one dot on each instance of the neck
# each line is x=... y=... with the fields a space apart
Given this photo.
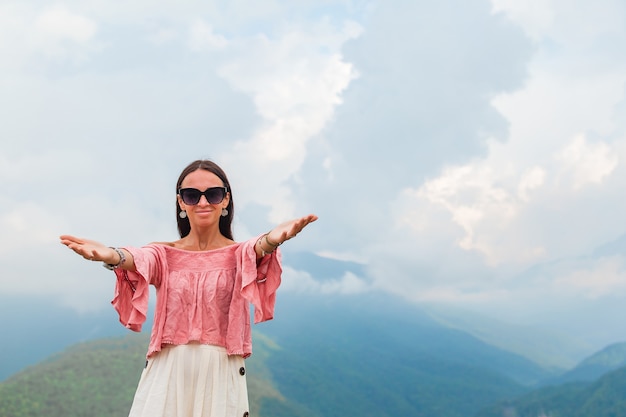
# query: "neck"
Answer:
x=205 y=239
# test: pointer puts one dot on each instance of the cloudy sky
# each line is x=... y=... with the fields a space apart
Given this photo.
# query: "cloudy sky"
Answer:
x=468 y=153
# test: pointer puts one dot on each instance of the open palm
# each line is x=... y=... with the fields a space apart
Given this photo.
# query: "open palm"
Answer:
x=290 y=229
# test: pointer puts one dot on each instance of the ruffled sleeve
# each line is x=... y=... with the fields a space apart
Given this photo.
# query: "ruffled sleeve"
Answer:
x=259 y=282
x=132 y=287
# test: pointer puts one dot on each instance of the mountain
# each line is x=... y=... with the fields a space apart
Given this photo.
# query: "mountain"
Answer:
x=98 y=379
x=329 y=356
x=323 y=355
x=38 y=327
x=369 y=360
x=369 y=321
x=602 y=398
x=594 y=388
x=549 y=348
x=90 y=379
x=608 y=359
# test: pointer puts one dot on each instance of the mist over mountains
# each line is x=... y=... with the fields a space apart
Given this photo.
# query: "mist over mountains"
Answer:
x=36 y=327
x=322 y=356
x=328 y=355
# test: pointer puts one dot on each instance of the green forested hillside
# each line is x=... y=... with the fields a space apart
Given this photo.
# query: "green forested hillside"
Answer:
x=602 y=398
x=91 y=379
x=325 y=358
x=608 y=359
x=98 y=379
x=345 y=364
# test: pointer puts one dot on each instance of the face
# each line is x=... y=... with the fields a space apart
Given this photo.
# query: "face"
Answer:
x=203 y=213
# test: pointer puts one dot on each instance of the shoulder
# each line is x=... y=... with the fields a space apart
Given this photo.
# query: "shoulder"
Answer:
x=170 y=244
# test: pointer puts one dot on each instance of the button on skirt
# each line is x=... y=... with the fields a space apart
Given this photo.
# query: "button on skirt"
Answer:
x=192 y=380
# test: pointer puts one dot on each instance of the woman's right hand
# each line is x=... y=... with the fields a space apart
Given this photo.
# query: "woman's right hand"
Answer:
x=90 y=249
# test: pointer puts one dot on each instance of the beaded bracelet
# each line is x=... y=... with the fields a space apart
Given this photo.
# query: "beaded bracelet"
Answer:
x=122 y=259
x=270 y=243
x=263 y=253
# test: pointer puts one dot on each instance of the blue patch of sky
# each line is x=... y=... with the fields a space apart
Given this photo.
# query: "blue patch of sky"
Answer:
x=337 y=13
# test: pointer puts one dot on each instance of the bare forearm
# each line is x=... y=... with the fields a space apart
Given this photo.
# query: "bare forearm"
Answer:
x=120 y=258
x=285 y=231
x=264 y=246
x=95 y=251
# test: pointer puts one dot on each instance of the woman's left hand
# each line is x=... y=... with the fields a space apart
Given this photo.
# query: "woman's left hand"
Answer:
x=289 y=229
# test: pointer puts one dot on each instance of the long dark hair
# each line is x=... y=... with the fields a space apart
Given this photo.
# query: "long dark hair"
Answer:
x=226 y=221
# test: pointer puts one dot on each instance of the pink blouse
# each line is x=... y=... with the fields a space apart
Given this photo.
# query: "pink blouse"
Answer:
x=201 y=296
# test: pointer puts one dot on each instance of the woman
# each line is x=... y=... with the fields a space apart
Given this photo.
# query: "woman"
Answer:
x=205 y=282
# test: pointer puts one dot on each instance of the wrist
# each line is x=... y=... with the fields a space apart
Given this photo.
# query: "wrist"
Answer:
x=266 y=246
x=117 y=255
x=270 y=243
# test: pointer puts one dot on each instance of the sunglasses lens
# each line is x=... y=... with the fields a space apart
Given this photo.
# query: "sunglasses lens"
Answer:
x=214 y=195
x=190 y=196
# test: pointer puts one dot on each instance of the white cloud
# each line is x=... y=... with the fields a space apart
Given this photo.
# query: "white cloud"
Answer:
x=202 y=36
x=485 y=202
x=585 y=163
x=61 y=24
x=451 y=295
x=532 y=179
x=296 y=87
x=33 y=38
x=566 y=21
x=548 y=162
x=486 y=233
x=48 y=166
x=605 y=277
x=163 y=36
x=303 y=282
x=489 y=199
x=535 y=16
x=447 y=152
x=342 y=256
x=26 y=226
x=115 y=119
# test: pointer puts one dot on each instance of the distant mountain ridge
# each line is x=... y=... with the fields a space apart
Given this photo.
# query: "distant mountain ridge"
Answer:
x=547 y=348
x=601 y=398
x=322 y=356
x=331 y=356
x=328 y=357
x=98 y=379
x=39 y=326
x=608 y=359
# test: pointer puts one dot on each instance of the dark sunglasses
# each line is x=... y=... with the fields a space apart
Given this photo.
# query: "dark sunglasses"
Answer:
x=191 y=196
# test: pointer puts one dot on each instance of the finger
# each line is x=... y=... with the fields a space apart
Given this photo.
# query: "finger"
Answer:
x=71 y=240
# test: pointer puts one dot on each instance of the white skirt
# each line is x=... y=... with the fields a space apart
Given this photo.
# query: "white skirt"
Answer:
x=192 y=380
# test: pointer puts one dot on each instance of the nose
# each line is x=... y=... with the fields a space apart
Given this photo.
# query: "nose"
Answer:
x=203 y=200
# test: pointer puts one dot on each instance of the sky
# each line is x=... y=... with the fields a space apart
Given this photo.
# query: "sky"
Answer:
x=469 y=154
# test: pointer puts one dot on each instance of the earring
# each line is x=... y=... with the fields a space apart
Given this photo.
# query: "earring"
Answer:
x=224 y=212
x=182 y=214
